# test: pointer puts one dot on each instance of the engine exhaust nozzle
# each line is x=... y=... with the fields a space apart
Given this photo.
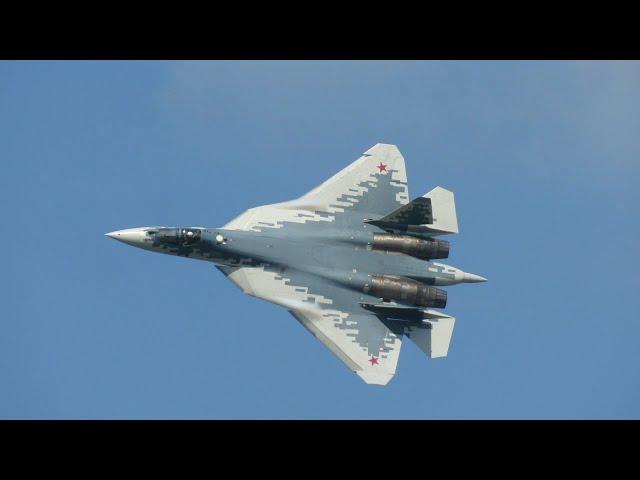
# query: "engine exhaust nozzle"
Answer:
x=407 y=290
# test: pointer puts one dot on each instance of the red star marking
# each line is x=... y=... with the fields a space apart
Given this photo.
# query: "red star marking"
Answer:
x=382 y=167
x=373 y=360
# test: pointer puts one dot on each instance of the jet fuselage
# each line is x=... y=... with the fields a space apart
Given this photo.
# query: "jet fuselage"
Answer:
x=346 y=258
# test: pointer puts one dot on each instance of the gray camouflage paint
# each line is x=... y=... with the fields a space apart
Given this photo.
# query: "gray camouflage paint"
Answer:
x=328 y=255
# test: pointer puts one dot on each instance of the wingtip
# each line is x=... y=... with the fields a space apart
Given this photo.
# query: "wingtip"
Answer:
x=375 y=378
x=379 y=148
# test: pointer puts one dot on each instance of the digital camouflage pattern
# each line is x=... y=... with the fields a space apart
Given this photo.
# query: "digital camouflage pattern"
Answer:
x=314 y=256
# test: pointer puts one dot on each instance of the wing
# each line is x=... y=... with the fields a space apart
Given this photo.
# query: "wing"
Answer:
x=372 y=186
x=367 y=343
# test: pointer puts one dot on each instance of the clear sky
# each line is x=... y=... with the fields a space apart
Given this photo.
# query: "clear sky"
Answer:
x=544 y=159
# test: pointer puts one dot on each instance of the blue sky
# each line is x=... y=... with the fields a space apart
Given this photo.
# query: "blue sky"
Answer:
x=544 y=158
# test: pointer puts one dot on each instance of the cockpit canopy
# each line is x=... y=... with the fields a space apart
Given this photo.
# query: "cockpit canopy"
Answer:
x=176 y=236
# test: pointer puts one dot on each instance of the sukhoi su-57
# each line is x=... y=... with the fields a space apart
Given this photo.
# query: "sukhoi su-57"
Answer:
x=352 y=261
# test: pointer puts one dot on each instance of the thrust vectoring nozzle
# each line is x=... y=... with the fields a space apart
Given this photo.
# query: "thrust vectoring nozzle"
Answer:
x=424 y=249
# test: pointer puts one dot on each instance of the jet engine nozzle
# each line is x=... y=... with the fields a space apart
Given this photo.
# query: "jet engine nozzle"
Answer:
x=413 y=246
x=407 y=290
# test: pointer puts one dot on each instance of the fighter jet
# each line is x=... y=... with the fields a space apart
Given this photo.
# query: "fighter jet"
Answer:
x=352 y=261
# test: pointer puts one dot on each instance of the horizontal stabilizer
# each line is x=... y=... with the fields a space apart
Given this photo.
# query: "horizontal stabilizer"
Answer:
x=443 y=205
x=430 y=330
x=433 y=335
x=432 y=214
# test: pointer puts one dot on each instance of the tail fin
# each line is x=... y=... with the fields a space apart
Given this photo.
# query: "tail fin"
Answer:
x=432 y=214
x=431 y=330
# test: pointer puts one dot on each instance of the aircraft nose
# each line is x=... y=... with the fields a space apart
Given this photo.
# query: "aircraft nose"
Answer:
x=472 y=278
x=131 y=236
